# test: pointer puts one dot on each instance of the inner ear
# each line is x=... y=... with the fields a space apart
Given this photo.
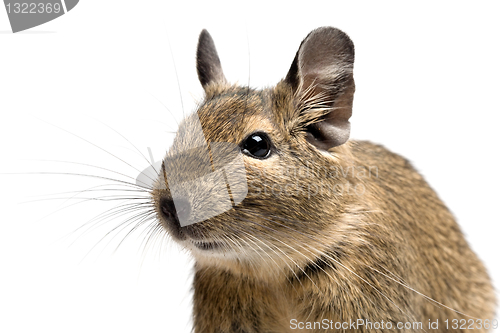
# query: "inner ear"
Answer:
x=321 y=77
x=207 y=61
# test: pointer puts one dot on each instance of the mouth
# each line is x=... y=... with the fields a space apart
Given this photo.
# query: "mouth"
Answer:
x=207 y=246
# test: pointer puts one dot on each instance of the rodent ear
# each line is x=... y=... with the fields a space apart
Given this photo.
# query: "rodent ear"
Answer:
x=207 y=61
x=321 y=77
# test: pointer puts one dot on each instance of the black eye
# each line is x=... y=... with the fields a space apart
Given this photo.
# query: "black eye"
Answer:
x=257 y=145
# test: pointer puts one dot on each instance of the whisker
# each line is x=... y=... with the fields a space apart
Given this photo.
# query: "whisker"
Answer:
x=176 y=75
x=154 y=231
x=82 y=164
x=93 y=144
x=318 y=253
x=278 y=257
x=67 y=207
x=141 y=216
x=78 y=174
x=97 y=188
x=298 y=266
x=433 y=301
x=337 y=262
x=148 y=216
x=108 y=214
x=102 y=198
x=171 y=113
x=137 y=149
x=290 y=268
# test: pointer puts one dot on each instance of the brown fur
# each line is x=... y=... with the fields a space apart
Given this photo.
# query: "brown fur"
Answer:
x=358 y=234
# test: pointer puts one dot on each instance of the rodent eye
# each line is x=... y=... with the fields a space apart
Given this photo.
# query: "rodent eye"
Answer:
x=257 y=145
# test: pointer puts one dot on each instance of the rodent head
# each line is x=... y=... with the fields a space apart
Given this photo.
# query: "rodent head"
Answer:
x=261 y=190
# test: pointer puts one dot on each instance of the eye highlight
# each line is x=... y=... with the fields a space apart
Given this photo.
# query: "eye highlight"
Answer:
x=257 y=145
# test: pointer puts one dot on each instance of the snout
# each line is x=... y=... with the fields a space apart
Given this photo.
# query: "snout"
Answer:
x=196 y=187
x=172 y=211
x=175 y=210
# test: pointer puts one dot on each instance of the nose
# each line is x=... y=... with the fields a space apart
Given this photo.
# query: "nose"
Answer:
x=175 y=210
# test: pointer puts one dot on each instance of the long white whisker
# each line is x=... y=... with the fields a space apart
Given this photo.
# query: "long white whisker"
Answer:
x=345 y=267
x=93 y=144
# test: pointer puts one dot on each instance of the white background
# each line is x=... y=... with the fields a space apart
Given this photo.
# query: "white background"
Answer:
x=427 y=78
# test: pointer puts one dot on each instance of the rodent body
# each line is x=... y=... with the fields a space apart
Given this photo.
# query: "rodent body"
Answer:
x=331 y=230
